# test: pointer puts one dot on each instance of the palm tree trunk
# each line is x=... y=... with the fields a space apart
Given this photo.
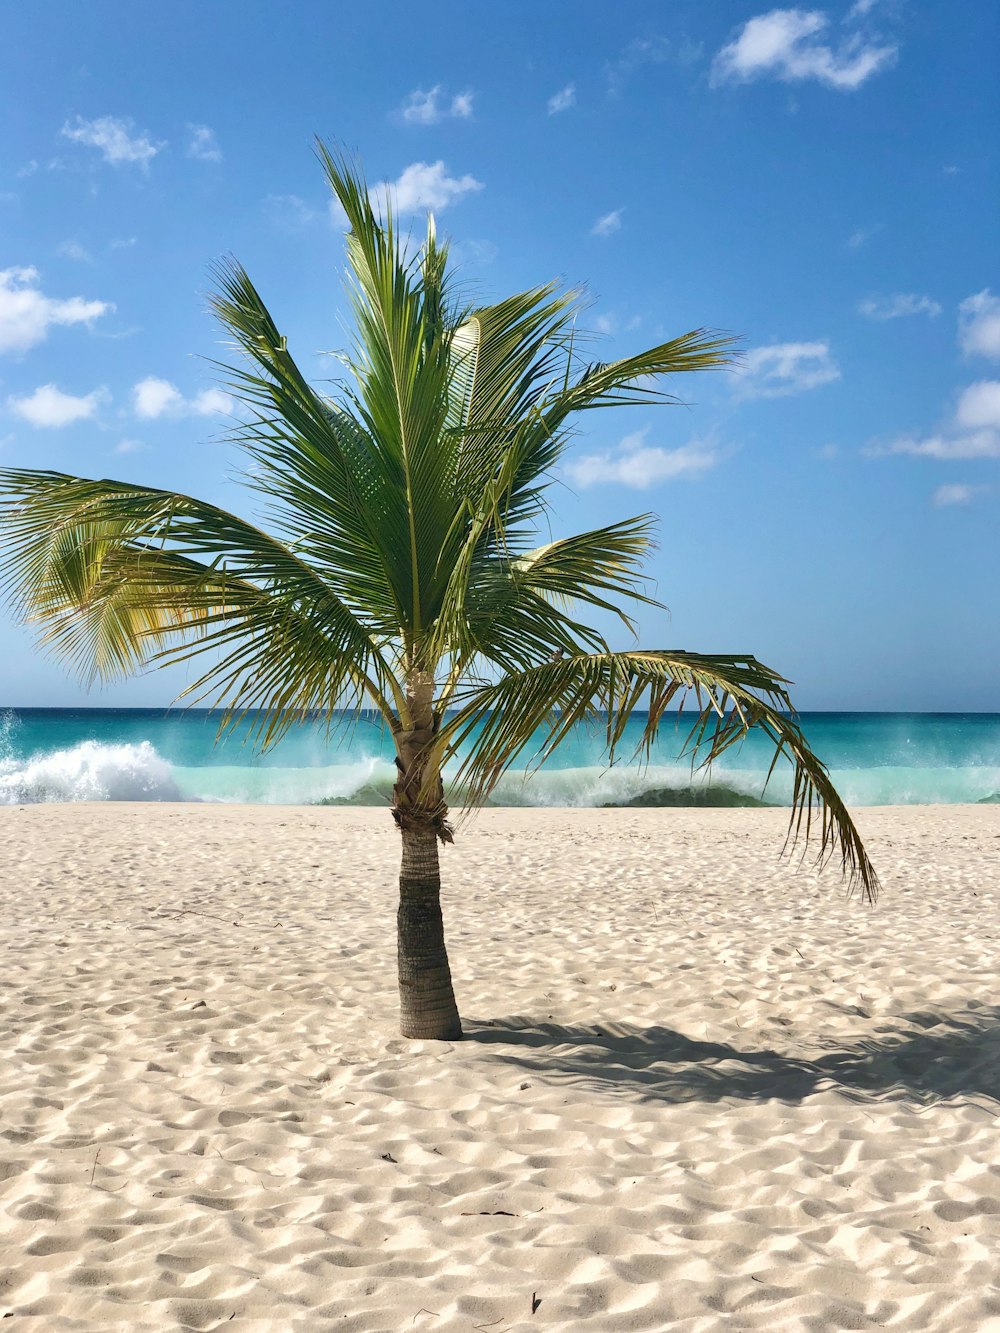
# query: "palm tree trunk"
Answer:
x=426 y=998
x=427 y=1007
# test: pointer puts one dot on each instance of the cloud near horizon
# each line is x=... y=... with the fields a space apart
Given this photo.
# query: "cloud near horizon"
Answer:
x=154 y=397
x=27 y=314
x=787 y=44
x=48 y=406
x=114 y=139
x=639 y=465
x=782 y=369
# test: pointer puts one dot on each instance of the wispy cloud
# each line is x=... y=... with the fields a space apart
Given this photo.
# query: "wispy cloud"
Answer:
x=640 y=465
x=203 y=145
x=114 y=139
x=944 y=447
x=788 y=44
x=426 y=185
x=154 y=397
x=639 y=52
x=785 y=368
x=74 y=250
x=979 y=325
x=48 y=406
x=131 y=447
x=957 y=493
x=432 y=106
x=27 y=314
x=862 y=235
x=608 y=224
x=288 y=211
x=562 y=100
x=899 y=306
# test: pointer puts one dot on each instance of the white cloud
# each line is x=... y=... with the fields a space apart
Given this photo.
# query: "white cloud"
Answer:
x=49 y=406
x=562 y=100
x=74 y=250
x=899 y=306
x=154 y=397
x=608 y=224
x=785 y=368
x=114 y=138
x=955 y=494
x=203 y=145
x=26 y=313
x=427 y=108
x=979 y=325
x=641 y=466
x=130 y=447
x=426 y=185
x=125 y=243
x=979 y=406
x=946 y=447
x=972 y=432
x=786 y=44
x=210 y=401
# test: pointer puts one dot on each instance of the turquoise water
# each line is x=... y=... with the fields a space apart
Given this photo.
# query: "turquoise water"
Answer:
x=63 y=754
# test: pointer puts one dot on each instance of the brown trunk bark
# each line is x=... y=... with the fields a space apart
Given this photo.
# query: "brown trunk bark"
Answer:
x=426 y=997
x=427 y=1006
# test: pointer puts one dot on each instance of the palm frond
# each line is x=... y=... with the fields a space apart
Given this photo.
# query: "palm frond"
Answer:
x=336 y=494
x=734 y=694
x=116 y=577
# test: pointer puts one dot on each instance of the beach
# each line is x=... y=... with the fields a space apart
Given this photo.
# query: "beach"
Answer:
x=701 y=1088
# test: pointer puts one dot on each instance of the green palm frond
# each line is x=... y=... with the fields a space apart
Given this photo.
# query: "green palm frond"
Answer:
x=335 y=492
x=733 y=693
x=115 y=577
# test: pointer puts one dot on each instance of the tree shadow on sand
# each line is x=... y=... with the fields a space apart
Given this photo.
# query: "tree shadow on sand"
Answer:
x=921 y=1057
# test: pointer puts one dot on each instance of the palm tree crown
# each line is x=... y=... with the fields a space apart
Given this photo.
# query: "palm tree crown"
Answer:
x=400 y=569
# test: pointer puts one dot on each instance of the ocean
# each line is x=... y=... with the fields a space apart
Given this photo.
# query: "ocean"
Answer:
x=132 y=754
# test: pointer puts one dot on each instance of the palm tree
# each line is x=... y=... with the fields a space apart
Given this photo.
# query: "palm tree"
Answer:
x=400 y=570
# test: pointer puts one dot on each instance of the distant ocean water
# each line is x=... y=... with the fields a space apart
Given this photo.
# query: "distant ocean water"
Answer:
x=93 y=754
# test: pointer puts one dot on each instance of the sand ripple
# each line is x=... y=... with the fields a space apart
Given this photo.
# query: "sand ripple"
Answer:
x=699 y=1091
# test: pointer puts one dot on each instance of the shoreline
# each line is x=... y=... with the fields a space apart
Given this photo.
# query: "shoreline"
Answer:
x=697 y=1085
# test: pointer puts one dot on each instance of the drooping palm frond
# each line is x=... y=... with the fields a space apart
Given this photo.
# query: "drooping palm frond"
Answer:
x=115 y=577
x=734 y=694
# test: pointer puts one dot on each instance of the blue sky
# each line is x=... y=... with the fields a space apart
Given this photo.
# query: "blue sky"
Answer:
x=821 y=181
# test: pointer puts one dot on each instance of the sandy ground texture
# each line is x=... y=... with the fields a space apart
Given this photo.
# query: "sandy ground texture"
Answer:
x=700 y=1090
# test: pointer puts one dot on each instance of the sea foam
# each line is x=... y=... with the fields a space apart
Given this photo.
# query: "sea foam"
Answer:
x=89 y=771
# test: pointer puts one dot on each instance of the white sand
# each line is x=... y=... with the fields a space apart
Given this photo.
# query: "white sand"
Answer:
x=700 y=1091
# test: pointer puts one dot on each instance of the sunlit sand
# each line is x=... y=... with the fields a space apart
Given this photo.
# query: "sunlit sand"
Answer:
x=700 y=1088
